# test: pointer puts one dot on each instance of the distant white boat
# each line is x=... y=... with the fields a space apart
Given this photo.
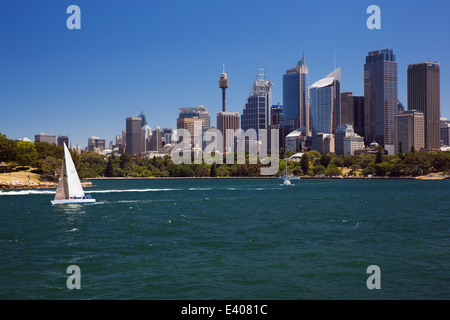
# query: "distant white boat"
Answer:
x=69 y=185
x=286 y=179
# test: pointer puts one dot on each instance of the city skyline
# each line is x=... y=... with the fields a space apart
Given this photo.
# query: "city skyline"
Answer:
x=81 y=84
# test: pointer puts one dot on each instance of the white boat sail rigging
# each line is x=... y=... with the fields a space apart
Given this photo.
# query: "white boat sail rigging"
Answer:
x=287 y=179
x=69 y=185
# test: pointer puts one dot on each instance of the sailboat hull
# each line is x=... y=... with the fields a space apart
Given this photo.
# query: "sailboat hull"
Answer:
x=73 y=201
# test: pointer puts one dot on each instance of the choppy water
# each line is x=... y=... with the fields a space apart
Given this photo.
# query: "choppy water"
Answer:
x=229 y=239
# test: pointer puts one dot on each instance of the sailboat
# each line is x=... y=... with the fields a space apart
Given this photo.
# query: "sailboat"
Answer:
x=287 y=179
x=69 y=185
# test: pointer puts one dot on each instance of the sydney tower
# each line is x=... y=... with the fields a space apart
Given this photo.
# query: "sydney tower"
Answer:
x=223 y=84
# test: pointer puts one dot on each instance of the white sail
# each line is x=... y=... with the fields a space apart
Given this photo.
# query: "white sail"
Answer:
x=62 y=192
x=73 y=181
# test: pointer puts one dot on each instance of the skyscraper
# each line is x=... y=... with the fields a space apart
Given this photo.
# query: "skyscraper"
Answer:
x=347 y=112
x=296 y=105
x=133 y=136
x=424 y=95
x=257 y=110
x=380 y=98
x=227 y=121
x=325 y=101
x=155 y=142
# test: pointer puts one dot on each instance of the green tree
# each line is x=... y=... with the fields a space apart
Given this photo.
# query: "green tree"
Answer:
x=383 y=169
x=7 y=149
x=325 y=160
x=50 y=168
x=379 y=156
x=213 y=172
x=201 y=171
x=109 y=171
x=304 y=163
x=319 y=170
x=333 y=171
x=26 y=154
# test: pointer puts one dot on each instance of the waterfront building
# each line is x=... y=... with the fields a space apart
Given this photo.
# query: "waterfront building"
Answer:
x=380 y=98
x=409 y=131
x=49 y=138
x=424 y=96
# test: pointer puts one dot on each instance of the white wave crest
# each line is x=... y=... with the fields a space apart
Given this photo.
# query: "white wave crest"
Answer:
x=26 y=192
x=128 y=190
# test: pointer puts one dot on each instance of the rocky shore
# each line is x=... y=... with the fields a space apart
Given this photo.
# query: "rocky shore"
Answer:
x=16 y=184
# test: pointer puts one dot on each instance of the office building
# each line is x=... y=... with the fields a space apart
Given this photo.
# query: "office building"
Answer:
x=133 y=136
x=323 y=143
x=296 y=103
x=292 y=140
x=257 y=111
x=199 y=112
x=424 y=95
x=353 y=143
x=155 y=141
x=228 y=121
x=146 y=133
x=63 y=140
x=380 y=98
x=347 y=111
x=95 y=144
x=342 y=132
x=49 y=138
x=445 y=132
x=325 y=102
x=276 y=114
x=352 y=112
x=189 y=125
x=409 y=131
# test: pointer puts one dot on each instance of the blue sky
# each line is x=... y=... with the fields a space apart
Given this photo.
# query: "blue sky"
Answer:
x=158 y=56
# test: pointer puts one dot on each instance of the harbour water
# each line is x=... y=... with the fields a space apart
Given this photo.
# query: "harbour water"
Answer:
x=229 y=239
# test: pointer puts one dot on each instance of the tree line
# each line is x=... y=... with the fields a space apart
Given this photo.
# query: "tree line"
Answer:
x=46 y=159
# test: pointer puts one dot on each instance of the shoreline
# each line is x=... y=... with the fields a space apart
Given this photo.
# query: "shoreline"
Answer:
x=86 y=183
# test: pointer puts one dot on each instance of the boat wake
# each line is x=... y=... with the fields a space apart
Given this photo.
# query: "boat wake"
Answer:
x=129 y=190
x=26 y=192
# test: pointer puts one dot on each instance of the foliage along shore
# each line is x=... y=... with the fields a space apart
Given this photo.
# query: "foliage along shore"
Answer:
x=46 y=161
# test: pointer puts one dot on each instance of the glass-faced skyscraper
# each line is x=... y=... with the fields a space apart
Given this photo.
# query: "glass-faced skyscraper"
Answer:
x=296 y=111
x=257 y=111
x=380 y=98
x=325 y=97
